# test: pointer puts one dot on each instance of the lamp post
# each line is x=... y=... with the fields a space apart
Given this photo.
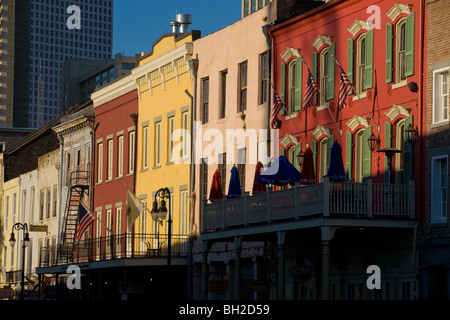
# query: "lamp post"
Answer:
x=25 y=243
x=160 y=213
x=389 y=152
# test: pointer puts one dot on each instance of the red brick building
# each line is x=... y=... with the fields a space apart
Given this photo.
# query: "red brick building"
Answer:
x=380 y=46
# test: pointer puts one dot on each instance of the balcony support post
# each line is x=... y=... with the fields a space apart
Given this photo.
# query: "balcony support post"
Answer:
x=327 y=236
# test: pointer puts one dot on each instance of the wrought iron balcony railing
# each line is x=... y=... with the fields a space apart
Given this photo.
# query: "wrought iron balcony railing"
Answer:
x=328 y=199
x=123 y=246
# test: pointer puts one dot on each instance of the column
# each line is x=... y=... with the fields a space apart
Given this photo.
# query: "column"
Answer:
x=326 y=270
x=237 y=267
x=281 y=272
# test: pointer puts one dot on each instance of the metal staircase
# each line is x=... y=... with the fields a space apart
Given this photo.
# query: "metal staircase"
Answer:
x=78 y=186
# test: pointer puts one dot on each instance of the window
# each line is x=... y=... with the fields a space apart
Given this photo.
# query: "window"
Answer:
x=324 y=60
x=32 y=198
x=292 y=86
x=158 y=144
x=88 y=157
x=118 y=224
x=264 y=78
x=110 y=160
x=55 y=200
x=171 y=129
x=223 y=94
x=323 y=159
x=399 y=157
x=439 y=193
x=222 y=167
x=41 y=204
x=98 y=228
x=48 y=191
x=108 y=222
x=241 y=169
x=401 y=51
x=359 y=155
x=185 y=127
x=131 y=151
x=100 y=163
x=242 y=103
x=361 y=64
x=204 y=179
x=441 y=95
x=205 y=100
x=144 y=163
x=77 y=158
x=67 y=171
x=120 y=156
x=183 y=213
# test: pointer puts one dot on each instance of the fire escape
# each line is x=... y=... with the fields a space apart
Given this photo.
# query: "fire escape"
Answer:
x=78 y=186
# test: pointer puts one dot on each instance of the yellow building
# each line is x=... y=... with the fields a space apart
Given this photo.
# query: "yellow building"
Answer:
x=164 y=82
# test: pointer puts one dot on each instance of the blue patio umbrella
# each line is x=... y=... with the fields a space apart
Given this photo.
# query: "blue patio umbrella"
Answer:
x=234 y=189
x=336 y=170
x=280 y=173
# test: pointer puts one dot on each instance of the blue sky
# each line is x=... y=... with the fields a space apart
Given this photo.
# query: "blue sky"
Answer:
x=139 y=23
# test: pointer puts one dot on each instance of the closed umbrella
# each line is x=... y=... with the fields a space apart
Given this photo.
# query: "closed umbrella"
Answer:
x=336 y=170
x=234 y=189
x=308 y=176
x=280 y=173
x=216 y=193
x=258 y=188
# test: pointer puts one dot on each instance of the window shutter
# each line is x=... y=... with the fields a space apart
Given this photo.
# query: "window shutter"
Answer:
x=368 y=69
x=283 y=87
x=408 y=154
x=350 y=62
x=298 y=148
x=409 y=45
x=387 y=144
x=314 y=152
x=314 y=72
x=389 y=60
x=367 y=154
x=348 y=156
x=282 y=152
x=298 y=83
x=331 y=67
x=330 y=142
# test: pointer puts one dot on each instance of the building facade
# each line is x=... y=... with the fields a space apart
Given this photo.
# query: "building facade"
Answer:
x=435 y=237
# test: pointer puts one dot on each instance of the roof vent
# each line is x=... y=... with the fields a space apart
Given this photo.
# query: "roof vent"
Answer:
x=181 y=23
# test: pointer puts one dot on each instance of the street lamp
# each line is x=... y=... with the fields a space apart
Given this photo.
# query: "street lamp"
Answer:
x=411 y=133
x=300 y=157
x=159 y=214
x=374 y=142
x=26 y=242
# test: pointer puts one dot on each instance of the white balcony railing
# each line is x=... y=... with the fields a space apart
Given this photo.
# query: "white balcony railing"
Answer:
x=335 y=199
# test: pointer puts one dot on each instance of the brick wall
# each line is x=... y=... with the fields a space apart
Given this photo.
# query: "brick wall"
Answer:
x=438 y=138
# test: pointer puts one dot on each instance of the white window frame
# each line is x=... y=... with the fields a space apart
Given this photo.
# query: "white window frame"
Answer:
x=110 y=159
x=145 y=147
x=120 y=156
x=158 y=143
x=170 y=146
x=186 y=141
x=291 y=84
x=131 y=151
x=100 y=162
x=323 y=65
x=436 y=191
x=399 y=52
x=439 y=118
x=323 y=154
x=360 y=64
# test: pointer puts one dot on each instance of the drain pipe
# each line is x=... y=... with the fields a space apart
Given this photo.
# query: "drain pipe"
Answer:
x=193 y=65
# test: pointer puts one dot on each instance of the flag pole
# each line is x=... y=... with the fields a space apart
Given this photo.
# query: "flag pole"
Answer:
x=321 y=96
x=283 y=107
x=359 y=98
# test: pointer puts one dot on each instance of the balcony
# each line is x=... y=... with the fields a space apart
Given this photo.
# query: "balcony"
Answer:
x=340 y=203
x=123 y=246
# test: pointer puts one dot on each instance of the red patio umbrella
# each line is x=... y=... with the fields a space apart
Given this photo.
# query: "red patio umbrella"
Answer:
x=216 y=193
x=308 y=176
x=258 y=187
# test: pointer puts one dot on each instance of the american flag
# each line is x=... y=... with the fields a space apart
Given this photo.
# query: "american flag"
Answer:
x=277 y=105
x=84 y=221
x=344 y=89
x=311 y=89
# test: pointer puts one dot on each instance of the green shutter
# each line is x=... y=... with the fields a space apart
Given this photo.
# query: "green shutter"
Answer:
x=348 y=156
x=330 y=142
x=314 y=152
x=297 y=150
x=314 y=72
x=283 y=87
x=368 y=68
x=282 y=152
x=367 y=154
x=387 y=144
x=408 y=154
x=389 y=55
x=409 y=45
x=350 y=62
x=298 y=83
x=330 y=75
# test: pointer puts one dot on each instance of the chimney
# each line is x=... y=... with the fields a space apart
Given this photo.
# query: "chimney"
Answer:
x=181 y=23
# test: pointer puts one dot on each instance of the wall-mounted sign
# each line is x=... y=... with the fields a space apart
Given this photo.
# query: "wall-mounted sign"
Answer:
x=301 y=269
x=38 y=228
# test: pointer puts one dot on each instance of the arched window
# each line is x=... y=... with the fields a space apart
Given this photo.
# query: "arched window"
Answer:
x=400 y=50
x=361 y=64
x=399 y=157
x=359 y=146
x=323 y=74
x=292 y=86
